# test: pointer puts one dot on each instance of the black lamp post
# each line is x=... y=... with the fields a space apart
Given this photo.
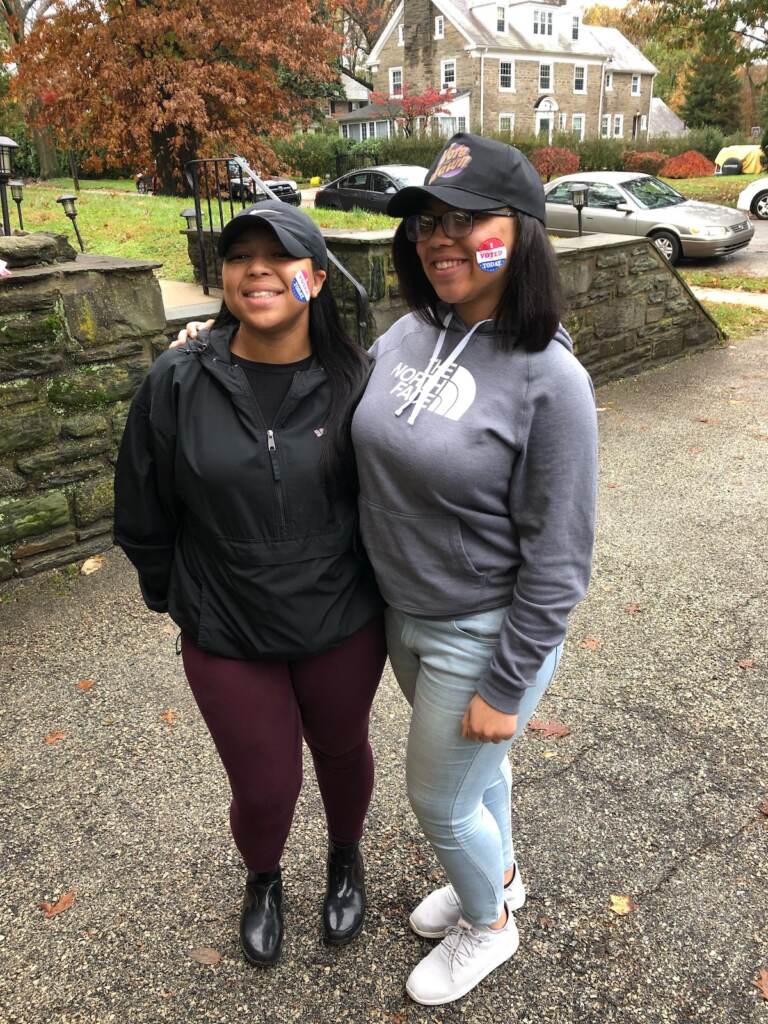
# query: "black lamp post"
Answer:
x=17 y=194
x=579 y=200
x=7 y=147
x=68 y=203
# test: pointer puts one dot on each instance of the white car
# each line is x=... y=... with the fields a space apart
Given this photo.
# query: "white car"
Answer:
x=754 y=198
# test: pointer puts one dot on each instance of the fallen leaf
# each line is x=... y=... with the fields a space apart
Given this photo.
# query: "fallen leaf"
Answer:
x=706 y=419
x=63 y=903
x=548 y=754
x=746 y=663
x=612 y=487
x=170 y=629
x=602 y=408
x=761 y=984
x=761 y=437
x=85 y=684
x=54 y=737
x=92 y=565
x=763 y=807
x=169 y=716
x=205 y=955
x=695 y=450
x=548 y=729
x=633 y=608
x=590 y=643
x=622 y=905
x=544 y=921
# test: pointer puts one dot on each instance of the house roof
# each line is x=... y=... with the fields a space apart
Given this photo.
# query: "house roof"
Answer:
x=626 y=56
x=664 y=121
x=354 y=88
x=381 y=111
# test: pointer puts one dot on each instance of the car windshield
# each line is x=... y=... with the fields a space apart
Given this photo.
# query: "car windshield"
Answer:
x=409 y=176
x=652 y=193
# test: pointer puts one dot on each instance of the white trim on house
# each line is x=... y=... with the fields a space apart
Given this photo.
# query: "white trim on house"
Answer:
x=389 y=28
x=439 y=26
x=501 y=9
x=605 y=126
x=609 y=81
x=638 y=79
x=580 y=128
x=511 y=86
x=510 y=118
x=391 y=72
x=546 y=88
x=583 y=69
x=443 y=65
x=618 y=122
x=401 y=34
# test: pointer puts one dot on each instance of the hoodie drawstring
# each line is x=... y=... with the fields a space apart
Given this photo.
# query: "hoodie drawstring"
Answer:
x=430 y=379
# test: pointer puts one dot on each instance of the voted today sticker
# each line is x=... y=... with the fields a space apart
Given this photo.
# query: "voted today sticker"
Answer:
x=491 y=255
x=300 y=286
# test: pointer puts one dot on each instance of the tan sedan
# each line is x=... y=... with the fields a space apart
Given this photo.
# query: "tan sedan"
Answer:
x=628 y=203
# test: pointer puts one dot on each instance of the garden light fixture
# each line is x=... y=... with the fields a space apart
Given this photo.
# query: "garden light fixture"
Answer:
x=191 y=217
x=68 y=204
x=579 y=200
x=7 y=147
x=17 y=194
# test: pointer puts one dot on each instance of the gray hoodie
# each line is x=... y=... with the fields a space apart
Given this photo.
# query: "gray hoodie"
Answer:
x=477 y=486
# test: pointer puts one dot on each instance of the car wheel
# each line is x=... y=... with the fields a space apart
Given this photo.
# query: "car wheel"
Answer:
x=667 y=244
x=760 y=205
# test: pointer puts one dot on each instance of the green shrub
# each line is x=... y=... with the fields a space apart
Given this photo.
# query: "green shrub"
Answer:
x=310 y=155
x=600 y=154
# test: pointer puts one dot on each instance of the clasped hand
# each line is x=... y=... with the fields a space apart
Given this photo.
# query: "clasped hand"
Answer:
x=485 y=724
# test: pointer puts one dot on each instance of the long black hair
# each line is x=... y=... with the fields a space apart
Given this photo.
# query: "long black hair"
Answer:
x=347 y=366
x=529 y=311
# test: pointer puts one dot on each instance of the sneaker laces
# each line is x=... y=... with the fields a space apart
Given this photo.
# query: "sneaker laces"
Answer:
x=461 y=942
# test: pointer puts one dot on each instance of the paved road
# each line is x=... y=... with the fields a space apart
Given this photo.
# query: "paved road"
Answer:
x=653 y=795
x=752 y=261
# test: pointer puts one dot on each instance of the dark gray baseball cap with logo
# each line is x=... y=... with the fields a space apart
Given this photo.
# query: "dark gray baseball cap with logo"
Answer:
x=474 y=173
x=297 y=232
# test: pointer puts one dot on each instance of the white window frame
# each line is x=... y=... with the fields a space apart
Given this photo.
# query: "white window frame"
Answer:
x=609 y=81
x=562 y=123
x=605 y=126
x=511 y=118
x=583 y=67
x=501 y=19
x=575 y=27
x=618 y=122
x=511 y=86
x=550 y=87
x=439 y=27
x=643 y=122
x=401 y=34
x=345 y=131
x=583 y=129
x=363 y=131
x=461 y=124
x=392 y=83
x=542 y=22
x=443 y=65
x=636 y=92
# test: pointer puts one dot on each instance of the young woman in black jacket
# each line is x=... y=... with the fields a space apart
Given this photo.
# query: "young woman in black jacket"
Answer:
x=236 y=501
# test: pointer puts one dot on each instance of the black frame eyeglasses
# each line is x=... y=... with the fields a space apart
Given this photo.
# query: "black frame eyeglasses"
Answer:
x=455 y=223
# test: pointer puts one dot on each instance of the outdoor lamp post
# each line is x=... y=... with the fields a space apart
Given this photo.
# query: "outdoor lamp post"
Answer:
x=190 y=217
x=579 y=200
x=68 y=203
x=17 y=194
x=7 y=147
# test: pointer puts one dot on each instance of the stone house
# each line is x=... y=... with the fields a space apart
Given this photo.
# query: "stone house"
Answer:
x=521 y=68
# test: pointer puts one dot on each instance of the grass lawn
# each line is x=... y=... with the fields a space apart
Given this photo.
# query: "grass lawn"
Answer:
x=722 y=279
x=738 y=322
x=723 y=189
x=64 y=185
x=146 y=227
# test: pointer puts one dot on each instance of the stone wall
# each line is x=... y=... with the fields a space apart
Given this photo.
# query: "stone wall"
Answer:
x=76 y=338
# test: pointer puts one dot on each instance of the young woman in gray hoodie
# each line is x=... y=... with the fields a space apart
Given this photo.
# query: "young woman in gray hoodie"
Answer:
x=476 y=449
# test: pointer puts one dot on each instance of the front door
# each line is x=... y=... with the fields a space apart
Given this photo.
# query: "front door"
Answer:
x=544 y=126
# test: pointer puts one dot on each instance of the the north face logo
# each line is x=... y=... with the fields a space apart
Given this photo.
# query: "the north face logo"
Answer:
x=453 y=389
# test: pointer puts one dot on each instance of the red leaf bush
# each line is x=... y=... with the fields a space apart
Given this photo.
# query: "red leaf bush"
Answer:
x=552 y=161
x=687 y=165
x=647 y=163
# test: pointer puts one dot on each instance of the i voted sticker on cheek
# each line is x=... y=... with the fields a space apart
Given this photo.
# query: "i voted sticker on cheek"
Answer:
x=491 y=255
x=300 y=286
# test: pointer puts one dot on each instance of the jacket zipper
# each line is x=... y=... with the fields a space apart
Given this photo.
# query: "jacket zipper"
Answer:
x=276 y=476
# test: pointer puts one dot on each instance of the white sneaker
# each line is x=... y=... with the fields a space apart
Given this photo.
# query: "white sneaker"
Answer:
x=441 y=910
x=464 y=957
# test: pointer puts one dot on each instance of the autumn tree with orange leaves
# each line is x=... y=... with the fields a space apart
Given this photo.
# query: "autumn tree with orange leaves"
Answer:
x=141 y=82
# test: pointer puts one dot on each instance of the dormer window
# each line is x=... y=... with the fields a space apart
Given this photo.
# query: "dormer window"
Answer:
x=501 y=19
x=575 y=27
x=439 y=27
x=542 y=23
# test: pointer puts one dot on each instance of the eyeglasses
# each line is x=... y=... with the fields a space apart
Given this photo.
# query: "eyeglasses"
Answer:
x=455 y=223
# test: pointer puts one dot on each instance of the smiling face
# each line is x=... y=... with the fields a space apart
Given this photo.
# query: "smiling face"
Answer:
x=469 y=273
x=266 y=288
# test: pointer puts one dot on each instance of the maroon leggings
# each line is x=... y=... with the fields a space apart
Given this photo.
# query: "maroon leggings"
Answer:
x=257 y=712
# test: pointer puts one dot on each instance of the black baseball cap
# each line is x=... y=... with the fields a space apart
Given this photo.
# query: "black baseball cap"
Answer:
x=475 y=173
x=296 y=231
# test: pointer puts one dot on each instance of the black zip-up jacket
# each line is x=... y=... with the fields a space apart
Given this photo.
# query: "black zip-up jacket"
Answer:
x=229 y=524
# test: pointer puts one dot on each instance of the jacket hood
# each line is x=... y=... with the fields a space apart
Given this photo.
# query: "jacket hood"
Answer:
x=488 y=329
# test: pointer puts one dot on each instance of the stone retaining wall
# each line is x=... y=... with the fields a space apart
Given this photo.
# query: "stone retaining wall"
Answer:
x=76 y=338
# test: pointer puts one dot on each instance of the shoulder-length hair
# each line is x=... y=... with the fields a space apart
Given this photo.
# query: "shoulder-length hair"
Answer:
x=347 y=366
x=529 y=311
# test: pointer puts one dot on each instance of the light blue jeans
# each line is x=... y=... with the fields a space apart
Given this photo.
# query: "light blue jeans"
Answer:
x=459 y=789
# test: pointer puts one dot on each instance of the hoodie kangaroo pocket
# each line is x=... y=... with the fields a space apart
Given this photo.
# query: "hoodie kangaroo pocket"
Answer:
x=419 y=560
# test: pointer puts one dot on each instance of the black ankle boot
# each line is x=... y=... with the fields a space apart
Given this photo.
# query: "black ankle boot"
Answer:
x=261 y=919
x=344 y=907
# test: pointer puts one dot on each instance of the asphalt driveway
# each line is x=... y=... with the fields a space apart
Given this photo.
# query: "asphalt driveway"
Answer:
x=654 y=795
